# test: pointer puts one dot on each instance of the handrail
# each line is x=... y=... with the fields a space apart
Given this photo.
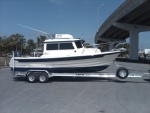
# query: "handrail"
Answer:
x=13 y=58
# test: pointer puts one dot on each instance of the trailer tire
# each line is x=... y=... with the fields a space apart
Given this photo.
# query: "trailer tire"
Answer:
x=31 y=77
x=43 y=77
x=122 y=73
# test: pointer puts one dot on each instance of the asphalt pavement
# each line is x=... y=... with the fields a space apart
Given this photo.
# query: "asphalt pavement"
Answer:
x=76 y=95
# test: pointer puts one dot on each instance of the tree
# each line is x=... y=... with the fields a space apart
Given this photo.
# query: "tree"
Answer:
x=40 y=41
x=30 y=46
x=123 y=45
x=1 y=45
x=16 y=42
x=87 y=45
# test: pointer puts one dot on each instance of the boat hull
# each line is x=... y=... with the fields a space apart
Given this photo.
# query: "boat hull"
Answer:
x=88 y=63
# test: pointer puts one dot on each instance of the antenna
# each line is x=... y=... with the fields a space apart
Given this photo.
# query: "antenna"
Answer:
x=49 y=35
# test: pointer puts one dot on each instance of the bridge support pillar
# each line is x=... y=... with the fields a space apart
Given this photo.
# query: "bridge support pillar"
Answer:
x=134 y=45
x=134 y=37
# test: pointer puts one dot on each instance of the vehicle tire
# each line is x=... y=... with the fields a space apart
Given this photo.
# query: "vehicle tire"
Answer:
x=31 y=77
x=43 y=77
x=122 y=73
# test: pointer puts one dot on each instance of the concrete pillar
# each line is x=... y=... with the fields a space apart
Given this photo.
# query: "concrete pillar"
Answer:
x=134 y=34
x=134 y=45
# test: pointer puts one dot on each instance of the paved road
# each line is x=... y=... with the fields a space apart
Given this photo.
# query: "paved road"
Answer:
x=75 y=95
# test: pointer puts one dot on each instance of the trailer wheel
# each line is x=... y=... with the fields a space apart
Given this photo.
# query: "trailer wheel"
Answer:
x=122 y=73
x=43 y=77
x=31 y=77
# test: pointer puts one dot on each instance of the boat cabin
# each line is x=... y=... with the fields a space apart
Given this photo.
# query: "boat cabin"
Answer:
x=62 y=45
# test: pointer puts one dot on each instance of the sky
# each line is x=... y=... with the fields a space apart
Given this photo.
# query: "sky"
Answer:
x=80 y=18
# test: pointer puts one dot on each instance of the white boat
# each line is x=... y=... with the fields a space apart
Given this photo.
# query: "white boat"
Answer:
x=65 y=54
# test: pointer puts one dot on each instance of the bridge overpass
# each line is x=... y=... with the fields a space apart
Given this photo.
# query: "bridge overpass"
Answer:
x=132 y=17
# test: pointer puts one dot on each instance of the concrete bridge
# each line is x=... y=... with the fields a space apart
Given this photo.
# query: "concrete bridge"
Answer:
x=132 y=17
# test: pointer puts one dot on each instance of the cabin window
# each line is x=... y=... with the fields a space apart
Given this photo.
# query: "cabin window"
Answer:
x=52 y=47
x=78 y=44
x=63 y=46
x=59 y=46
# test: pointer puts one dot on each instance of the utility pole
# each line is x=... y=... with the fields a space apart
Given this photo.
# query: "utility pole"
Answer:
x=98 y=12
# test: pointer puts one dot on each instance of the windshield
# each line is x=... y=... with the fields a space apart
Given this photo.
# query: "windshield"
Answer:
x=78 y=44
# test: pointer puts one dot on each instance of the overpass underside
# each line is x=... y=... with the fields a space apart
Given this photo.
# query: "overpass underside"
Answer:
x=132 y=17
